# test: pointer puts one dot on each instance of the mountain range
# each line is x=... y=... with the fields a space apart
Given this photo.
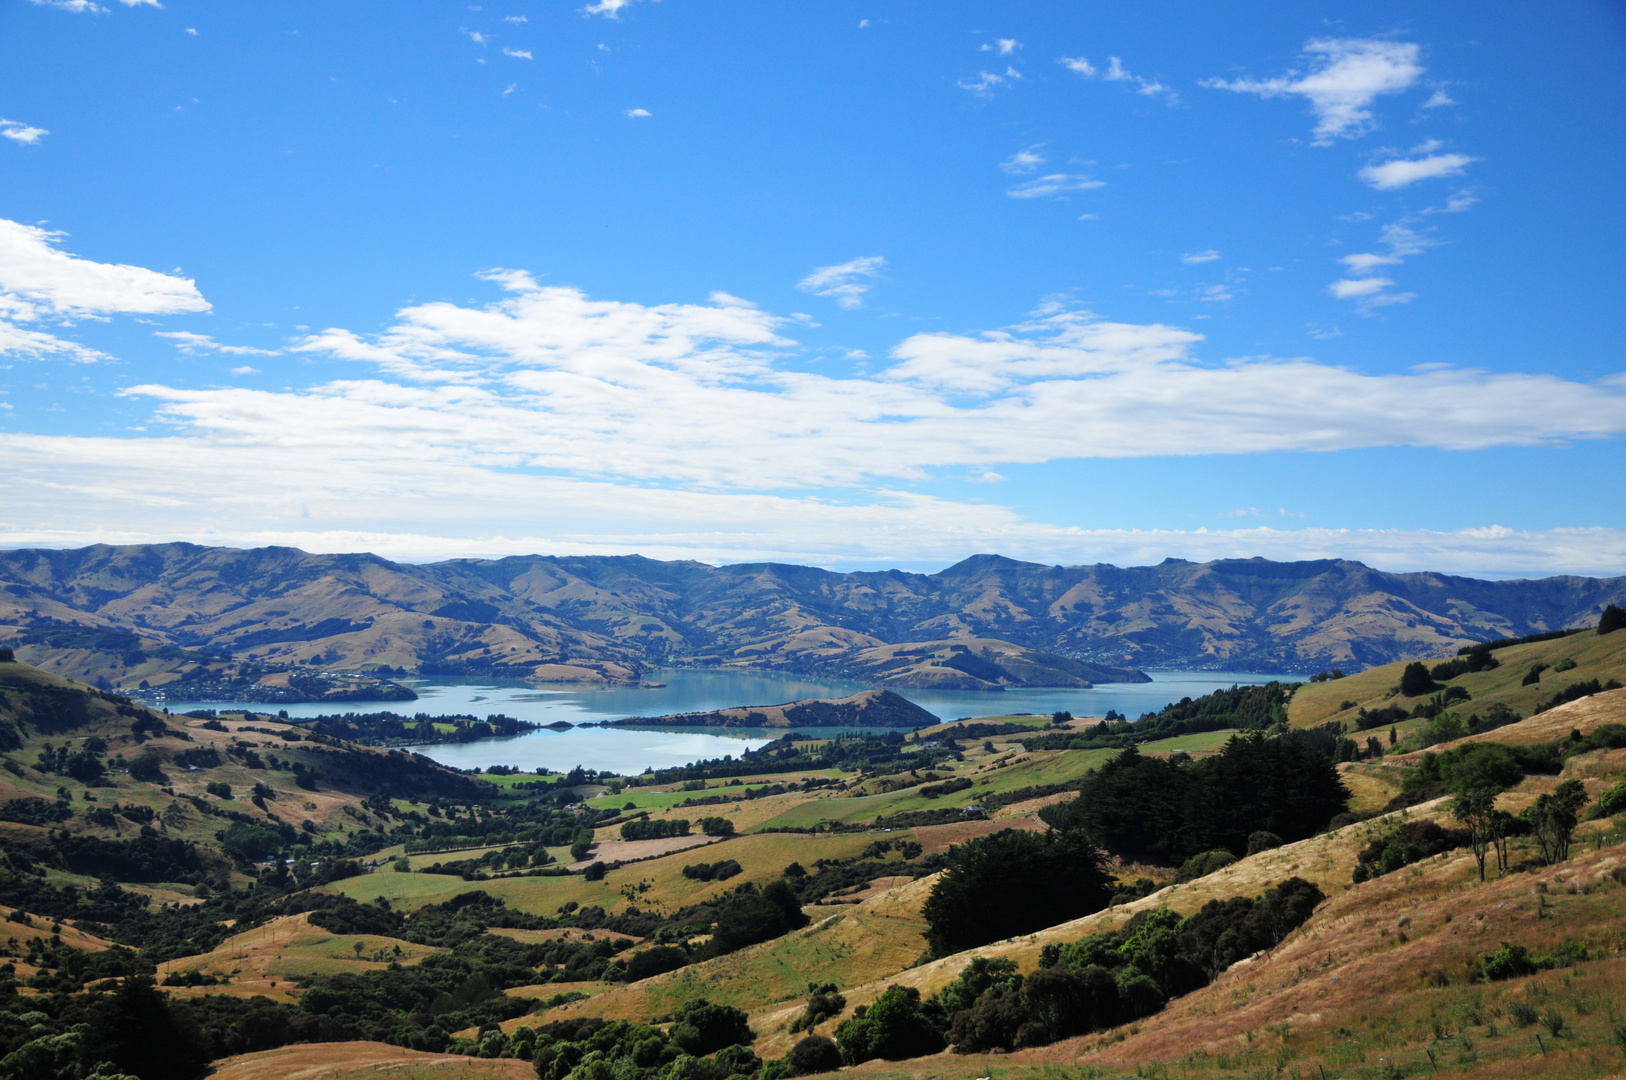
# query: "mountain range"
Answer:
x=121 y=616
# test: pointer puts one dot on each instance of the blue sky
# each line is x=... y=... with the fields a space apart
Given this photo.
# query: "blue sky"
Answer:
x=848 y=284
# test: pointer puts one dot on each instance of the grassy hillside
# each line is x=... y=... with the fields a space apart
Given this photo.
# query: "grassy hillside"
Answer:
x=1595 y=656
x=418 y=892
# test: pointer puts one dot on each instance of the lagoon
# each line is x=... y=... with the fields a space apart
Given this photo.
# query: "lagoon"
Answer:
x=627 y=750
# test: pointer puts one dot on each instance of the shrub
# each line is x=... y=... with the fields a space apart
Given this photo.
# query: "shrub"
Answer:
x=1263 y=841
x=1509 y=962
x=894 y=1028
x=702 y=1028
x=718 y=871
x=716 y=826
x=595 y=872
x=814 y=1054
x=656 y=961
x=1209 y=861
x=1533 y=676
x=822 y=1003
x=1522 y=1013
x=218 y=789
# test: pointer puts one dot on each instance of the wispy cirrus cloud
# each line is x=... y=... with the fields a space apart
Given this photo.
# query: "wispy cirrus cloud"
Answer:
x=847 y=283
x=1116 y=72
x=1198 y=257
x=17 y=131
x=986 y=82
x=193 y=344
x=1341 y=79
x=1054 y=185
x=518 y=54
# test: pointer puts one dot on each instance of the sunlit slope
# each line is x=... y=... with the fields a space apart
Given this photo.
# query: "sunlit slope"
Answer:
x=1596 y=656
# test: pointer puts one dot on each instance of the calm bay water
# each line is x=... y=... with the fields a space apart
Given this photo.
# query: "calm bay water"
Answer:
x=625 y=751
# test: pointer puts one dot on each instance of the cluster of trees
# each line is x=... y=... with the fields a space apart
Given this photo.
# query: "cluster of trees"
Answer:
x=1248 y=708
x=647 y=828
x=1154 y=807
x=393 y=729
x=1099 y=981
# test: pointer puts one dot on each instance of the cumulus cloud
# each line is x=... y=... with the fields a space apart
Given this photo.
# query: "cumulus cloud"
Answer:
x=1402 y=242
x=17 y=131
x=518 y=54
x=1055 y=184
x=37 y=278
x=1078 y=65
x=245 y=370
x=476 y=37
x=846 y=283
x=1200 y=257
x=638 y=114
x=1341 y=80
x=1349 y=289
x=1403 y=172
x=1438 y=99
x=1003 y=46
x=1023 y=161
x=610 y=9
x=550 y=420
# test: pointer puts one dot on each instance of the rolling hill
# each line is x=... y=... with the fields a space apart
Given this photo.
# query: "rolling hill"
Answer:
x=155 y=613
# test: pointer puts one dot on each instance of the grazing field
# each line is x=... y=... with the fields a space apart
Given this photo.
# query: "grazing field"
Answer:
x=365 y=1061
x=762 y=858
x=1596 y=656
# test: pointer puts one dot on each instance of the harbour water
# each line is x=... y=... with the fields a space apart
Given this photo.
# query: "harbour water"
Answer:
x=630 y=750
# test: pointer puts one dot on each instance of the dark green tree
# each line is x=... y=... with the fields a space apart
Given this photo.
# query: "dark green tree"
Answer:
x=1415 y=681
x=1612 y=619
x=1014 y=883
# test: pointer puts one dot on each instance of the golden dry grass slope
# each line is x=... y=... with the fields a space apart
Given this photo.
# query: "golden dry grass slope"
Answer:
x=1595 y=656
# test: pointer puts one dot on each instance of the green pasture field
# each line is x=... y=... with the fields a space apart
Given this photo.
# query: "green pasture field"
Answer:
x=1201 y=740
x=762 y=859
x=1050 y=767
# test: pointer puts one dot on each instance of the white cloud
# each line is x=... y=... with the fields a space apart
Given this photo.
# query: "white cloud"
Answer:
x=1439 y=99
x=1044 y=187
x=192 y=31
x=38 y=278
x=638 y=114
x=548 y=420
x=1023 y=161
x=476 y=37
x=610 y=9
x=78 y=7
x=1349 y=289
x=142 y=3
x=1344 y=77
x=986 y=81
x=1200 y=257
x=1214 y=294
x=518 y=54
x=193 y=344
x=515 y=19
x=17 y=131
x=1115 y=73
x=845 y=283
x=1403 y=172
x=245 y=370
x=862 y=23
x=1456 y=204
x=1004 y=46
